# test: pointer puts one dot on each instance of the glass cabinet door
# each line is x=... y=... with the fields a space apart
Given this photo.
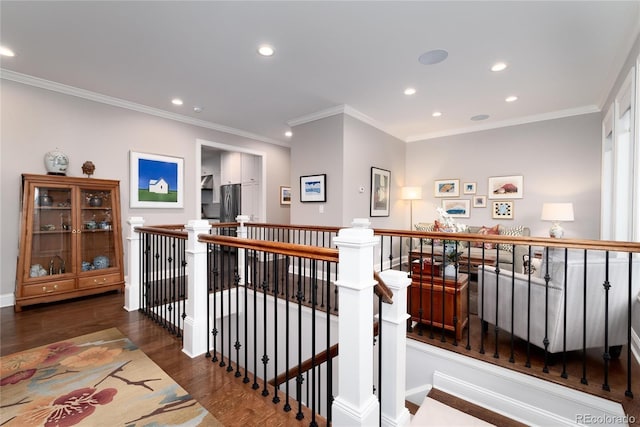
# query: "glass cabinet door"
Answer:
x=97 y=240
x=51 y=252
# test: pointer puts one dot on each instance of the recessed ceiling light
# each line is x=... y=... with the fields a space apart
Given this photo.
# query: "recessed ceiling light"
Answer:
x=176 y=101
x=197 y=109
x=511 y=98
x=409 y=91
x=433 y=57
x=436 y=114
x=288 y=134
x=266 y=50
x=480 y=117
x=498 y=66
x=5 y=51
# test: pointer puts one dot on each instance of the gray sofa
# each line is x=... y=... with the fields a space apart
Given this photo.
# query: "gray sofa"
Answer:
x=505 y=252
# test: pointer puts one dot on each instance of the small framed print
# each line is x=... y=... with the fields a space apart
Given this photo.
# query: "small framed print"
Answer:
x=469 y=188
x=479 y=201
x=447 y=188
x=502 y=209
x=380 y=192
x=285 y=195
x=313 y=188
x=456 y=208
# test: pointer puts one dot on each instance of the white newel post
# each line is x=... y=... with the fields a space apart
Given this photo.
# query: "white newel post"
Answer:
x=195 y=324
x=242 y=233
x=393 y=342
x=356 y=404
x=132 y=284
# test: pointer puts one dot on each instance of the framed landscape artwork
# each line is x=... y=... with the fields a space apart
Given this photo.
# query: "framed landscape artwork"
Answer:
x=285 y=195
x=380 y=192
x=155 y=181
x=447 y=188
x=506 y=187
x=313 y=188
x=458 y=208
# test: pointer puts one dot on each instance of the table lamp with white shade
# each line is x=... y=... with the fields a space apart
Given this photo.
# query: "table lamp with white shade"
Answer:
x=557 y=213
x=411 y=194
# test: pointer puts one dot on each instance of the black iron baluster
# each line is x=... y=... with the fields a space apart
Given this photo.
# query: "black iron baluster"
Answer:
x=513 y=299
x=455 y=297
x=254 y=282
x=583 y=380
x=564 y=314
x=217 y=277
x=208 y=294
x=528 y=345
x=224 y=273
x=265 y=288
x=246 y=315
x=183 y=284
x=468 y=313
x=287 y=405
x=299 y=378
x=276 y=277
x=233 y=274
x=481 y=297
x=237 y=344
x=628 y=391
x=496 y=329
x=545 y=341
x=432 y=287
x=329 y=359
x=606 y=356
x=314 y=298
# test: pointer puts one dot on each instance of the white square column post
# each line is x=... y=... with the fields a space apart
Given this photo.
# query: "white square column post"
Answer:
x=355 y=404
x=195 y=324
x=132 y=284
x=393 y=342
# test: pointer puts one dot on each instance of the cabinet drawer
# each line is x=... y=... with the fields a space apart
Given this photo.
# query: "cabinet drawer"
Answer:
x=102 y=280
x=48 y=288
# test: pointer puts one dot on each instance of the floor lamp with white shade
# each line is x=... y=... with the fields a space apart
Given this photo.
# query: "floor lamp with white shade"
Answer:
x=411 y=194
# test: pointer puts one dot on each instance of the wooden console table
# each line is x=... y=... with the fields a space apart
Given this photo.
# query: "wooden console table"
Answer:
x=427 y=292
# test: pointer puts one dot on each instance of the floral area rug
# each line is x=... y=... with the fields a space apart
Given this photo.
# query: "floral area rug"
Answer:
x=99 y=379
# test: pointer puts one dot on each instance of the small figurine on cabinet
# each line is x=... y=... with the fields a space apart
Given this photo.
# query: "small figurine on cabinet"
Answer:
x=88 y=168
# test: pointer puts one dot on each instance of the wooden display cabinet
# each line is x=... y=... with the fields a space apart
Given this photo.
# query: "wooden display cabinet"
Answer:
x=426 y=287
x=70 y=239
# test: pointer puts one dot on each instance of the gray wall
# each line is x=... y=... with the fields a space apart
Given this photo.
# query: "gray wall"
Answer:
x=345 y=149
x=316 y=148
x=364 y=147
x=36 y=120
x=559 y=160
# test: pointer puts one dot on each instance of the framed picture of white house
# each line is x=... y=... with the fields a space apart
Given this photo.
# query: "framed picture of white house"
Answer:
x=155 y=181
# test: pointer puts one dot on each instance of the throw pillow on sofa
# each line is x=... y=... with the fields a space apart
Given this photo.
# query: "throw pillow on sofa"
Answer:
x=510 y=231
x=531 y=265
x=487 y=231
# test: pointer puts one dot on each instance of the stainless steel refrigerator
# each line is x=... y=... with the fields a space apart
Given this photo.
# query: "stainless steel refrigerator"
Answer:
x=230 y=205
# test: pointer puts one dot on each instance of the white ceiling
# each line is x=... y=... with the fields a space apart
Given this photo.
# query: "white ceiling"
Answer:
x=563 y=58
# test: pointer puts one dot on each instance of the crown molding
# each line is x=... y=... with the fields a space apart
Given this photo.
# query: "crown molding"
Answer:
x=506 y=123
x=121 y=103
x=340 y=109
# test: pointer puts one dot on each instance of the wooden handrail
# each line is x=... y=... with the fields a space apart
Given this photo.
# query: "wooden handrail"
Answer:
x=163 y=231
x=382 y=290
x=291 y=249
x=309 y=364
x=602 y=245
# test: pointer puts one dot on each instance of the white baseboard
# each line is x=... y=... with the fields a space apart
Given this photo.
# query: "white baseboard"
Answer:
x=7 y=300
x=518 y=396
